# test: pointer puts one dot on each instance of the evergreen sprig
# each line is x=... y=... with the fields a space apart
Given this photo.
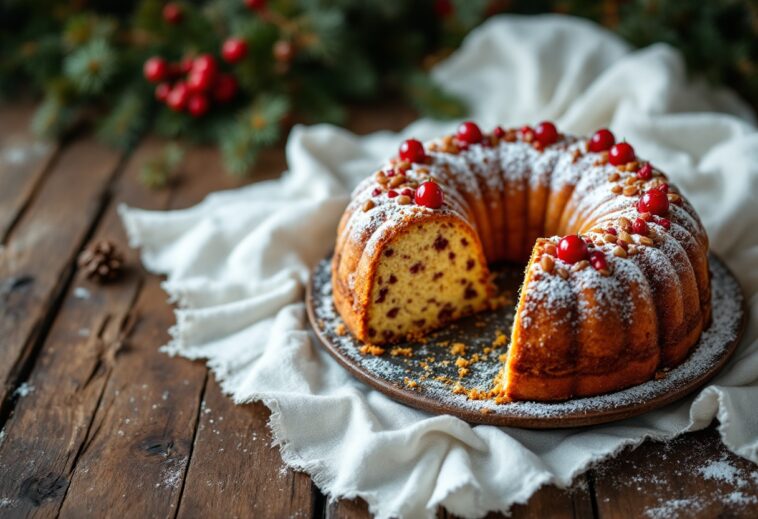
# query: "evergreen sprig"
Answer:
x=306 y=59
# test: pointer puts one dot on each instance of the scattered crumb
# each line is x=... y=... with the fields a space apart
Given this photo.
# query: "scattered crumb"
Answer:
x=461 y=362
x=371 y=349
x=341 y=329
x=458 y=348
x=398 y=351
x=410 y=383
x=500 y=340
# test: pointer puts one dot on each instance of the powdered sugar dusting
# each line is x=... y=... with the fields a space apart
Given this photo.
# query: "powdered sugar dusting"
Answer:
x=431 y=361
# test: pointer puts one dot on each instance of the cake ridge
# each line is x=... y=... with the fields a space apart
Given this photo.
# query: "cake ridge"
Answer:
x=630 y=272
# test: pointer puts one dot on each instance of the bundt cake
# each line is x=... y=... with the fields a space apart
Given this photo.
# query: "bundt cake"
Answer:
x=623 y=293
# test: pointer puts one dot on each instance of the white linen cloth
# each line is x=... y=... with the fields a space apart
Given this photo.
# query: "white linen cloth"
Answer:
x=237 y=264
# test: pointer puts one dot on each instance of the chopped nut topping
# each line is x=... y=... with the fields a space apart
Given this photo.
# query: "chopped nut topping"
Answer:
x=397 y=180
x=644 y=240
x=630 y=180
x=609 y=238
x=613 y=177
x=630 y=190
x=624 y=223
x=616 y=189
x=550 y=249
x=403 y=200
x=580 y=266
x=619 y=252
x=563 y=273
x=368 y=205
x=605 y=272
x=625 y=237
x=547 y=263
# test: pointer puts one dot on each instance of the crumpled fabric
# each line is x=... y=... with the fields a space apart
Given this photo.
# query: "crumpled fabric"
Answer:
x=237 y=264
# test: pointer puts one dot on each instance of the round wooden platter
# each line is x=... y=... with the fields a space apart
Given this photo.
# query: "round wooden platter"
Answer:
x=422 y=374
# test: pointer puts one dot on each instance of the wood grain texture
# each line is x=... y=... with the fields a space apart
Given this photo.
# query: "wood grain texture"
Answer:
x=23 y=163
x=49 y=426
x=691 y=476
x=112 y=427
x=37 y=260
x=235 y=470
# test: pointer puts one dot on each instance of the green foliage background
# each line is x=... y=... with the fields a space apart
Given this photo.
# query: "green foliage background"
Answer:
x=84 y=58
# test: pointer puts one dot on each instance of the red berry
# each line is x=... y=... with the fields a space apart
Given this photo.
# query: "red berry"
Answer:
x=645 y=172
x=407 y=192
x=429 y=194
x=653 y=201
x=162 y=91
x=527 y=134
x=611 y=230
x=469 y=132
x=155 y=69
x=205 y=62
x=572 y=248
x=621 y=153
x=225 y=88
x=177 y=98
x=546 y=133
x=234 y=49
x=602 y=140
x=173 y=13
x=186 y=65
x=498 y=132
x=443 y=8
x=639 y=226
x=391 y=193
x=197 y=105
x=413 y=151
x=255 y=5
x=664 y=222
x=376 y=192
x=663 y=188
x=199 y=80
x=598 y=261
x=390 y=173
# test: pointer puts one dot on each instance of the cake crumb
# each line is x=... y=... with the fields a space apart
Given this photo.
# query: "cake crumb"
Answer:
x=398 y=351
x=500 y=340
x=372 y=349
x=340 y=329
x=458 y=348
x=410 y=383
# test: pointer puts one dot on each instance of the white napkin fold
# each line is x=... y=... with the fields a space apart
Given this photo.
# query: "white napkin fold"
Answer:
x=237 y=264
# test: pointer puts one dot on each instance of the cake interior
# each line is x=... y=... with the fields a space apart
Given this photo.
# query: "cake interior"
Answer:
x=429 y=274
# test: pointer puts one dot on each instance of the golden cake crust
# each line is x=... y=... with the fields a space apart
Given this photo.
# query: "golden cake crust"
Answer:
x=581 y=328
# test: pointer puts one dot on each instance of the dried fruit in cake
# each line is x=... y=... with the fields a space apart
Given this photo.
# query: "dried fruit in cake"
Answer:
x=624 y=292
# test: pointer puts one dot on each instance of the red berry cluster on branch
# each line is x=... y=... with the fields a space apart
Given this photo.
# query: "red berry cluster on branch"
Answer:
x=192 y=84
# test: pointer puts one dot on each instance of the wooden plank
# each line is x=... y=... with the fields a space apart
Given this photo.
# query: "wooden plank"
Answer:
x=258 y=482
x=35 y=264
x=692 y=476
x=108 y=479
x=23 y=162
x=347 y=509
x=134 y=458
x=235 y=472
x=49 y=425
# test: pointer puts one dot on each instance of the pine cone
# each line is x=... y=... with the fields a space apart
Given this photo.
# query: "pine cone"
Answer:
x=101 y=262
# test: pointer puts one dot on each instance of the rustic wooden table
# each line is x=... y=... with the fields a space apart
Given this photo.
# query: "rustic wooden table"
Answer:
x=96 y=422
